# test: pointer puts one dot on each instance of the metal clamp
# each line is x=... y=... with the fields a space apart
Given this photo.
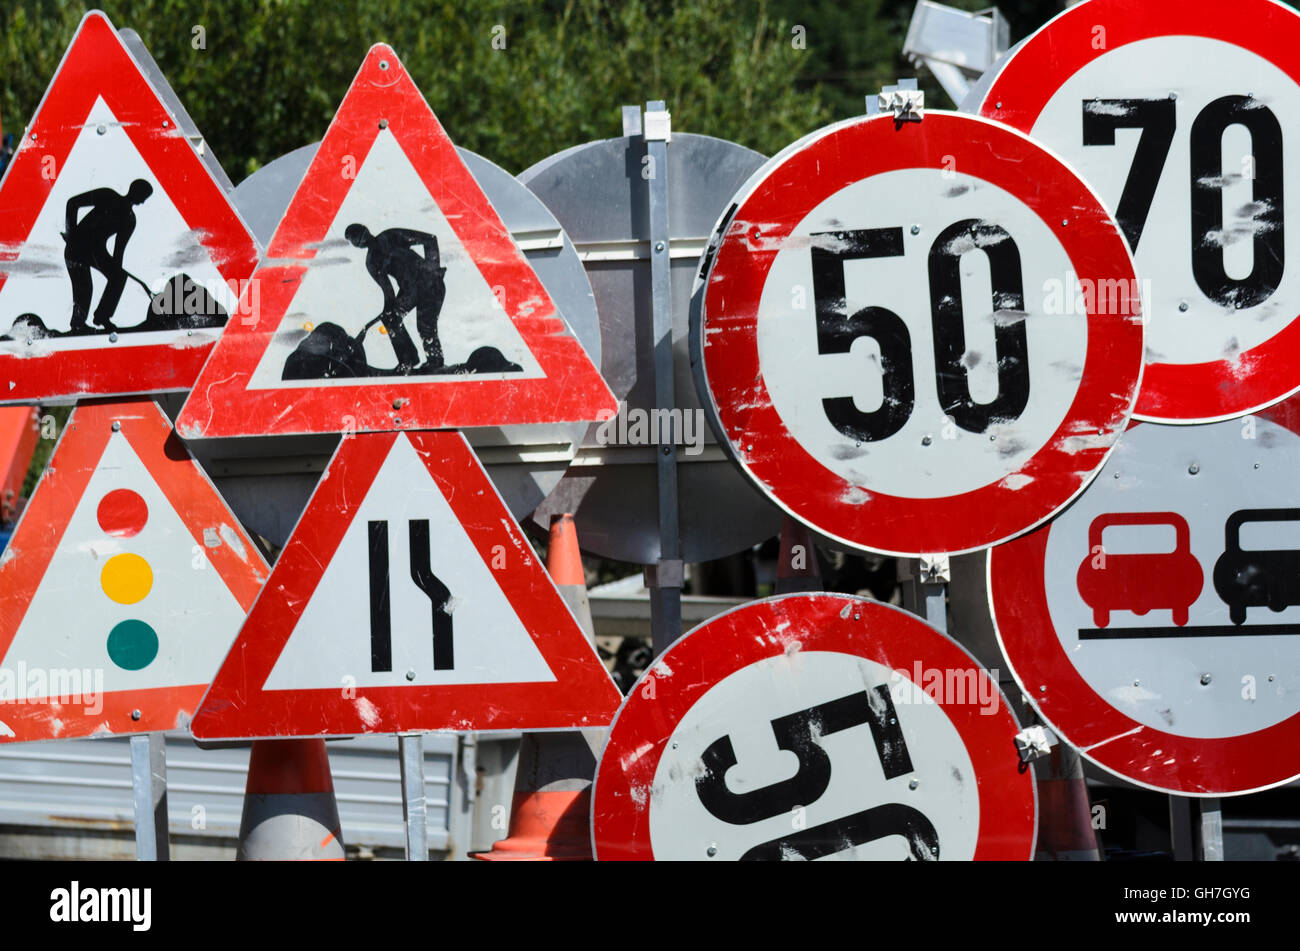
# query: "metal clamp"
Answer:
x=658 y=125
x=935 y=569
x=1034 y=742
x=903 y=100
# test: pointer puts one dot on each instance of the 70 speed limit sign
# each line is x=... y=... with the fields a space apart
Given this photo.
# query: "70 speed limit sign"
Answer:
x=918 y=337
x=1178 y=114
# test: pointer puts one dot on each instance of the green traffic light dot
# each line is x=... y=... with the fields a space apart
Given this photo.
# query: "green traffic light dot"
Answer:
x=132 y=644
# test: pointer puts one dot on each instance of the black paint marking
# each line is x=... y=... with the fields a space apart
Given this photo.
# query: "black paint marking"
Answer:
x=381 y=632
x=851 y=831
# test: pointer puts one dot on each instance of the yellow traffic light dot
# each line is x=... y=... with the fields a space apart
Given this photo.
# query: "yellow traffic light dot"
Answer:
x=126 y=578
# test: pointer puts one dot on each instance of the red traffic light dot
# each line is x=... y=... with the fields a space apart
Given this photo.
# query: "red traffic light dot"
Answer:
x=122 y=513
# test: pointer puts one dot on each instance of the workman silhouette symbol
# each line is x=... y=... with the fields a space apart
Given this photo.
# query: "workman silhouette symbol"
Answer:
x=111 y=216
x=410 y=281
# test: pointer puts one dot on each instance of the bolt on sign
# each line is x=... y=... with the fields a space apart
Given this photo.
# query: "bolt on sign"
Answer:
x=392 y=296
x=121 y=257
x=918 y=337
x=1177 y=113
x=1154 y=623
x=123 y=586
x=407 y=598
x=814 y=726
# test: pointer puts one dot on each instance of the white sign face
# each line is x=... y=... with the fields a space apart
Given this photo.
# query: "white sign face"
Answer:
x=1155 y=622
x=130 y=595
x=1162 y=103
x=395 y=286
x=815 y=726
x=1179 y=117
x=1164 y=542
x=335 y=636
x=936 y=799
x=1022 y=359
x=105 y=245
x=921 y=338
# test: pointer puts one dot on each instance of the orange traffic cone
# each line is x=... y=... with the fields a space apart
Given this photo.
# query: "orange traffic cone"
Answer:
x=289 y=807
x=796 y=566
x=1065 y=831
x=550 y=815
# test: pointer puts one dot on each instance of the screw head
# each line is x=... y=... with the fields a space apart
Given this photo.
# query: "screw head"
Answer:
x=383 y=64
x=101 y=129
x=659 y=245
x=1042 y=688
x=998 y=105
x=117 y=427
x=1065 y=222
x=926 y=440
x=112 y=338
x=410 y=675
x=1193 y=469
x=912 y=784
x=1205 y=679
x=1137 y=683
x=383 y=123
x=1173 y=95
x=135 y=714
x=1183 y=305
x=916 y=229
x=399 y=403
x=711 y=851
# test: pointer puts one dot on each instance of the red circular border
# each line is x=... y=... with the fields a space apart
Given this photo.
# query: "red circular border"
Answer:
x=805 y=177
x=761 y=629
x=1193 y=392
x=1103 y=734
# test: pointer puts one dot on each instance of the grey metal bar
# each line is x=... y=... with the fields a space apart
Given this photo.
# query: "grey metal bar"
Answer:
x=149 y=790
x=665 y=581
x=936 y=605
x=410 y=750
x=1211 y=830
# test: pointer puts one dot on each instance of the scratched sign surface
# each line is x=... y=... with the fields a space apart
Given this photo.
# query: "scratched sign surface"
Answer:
x=919 y=337
x=392 y=296
x=407 y=598
x=123 y=586
x=1177 y=113
x=121 y=258
x=1155 y=622
x=813 y=726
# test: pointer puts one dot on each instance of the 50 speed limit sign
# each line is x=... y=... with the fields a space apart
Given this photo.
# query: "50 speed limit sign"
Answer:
x=814 y=726
x=918 y=337
x=1180 y=115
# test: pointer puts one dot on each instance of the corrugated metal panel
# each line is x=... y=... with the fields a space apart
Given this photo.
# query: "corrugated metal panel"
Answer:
x=51 y=792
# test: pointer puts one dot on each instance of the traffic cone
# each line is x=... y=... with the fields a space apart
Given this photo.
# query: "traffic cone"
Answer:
x=796 y=566
x=289 y=807
x=1064 y=815
x=550 y=815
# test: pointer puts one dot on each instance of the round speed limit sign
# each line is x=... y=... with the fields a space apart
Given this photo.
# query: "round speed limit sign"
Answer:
x=814 y=726
x=918 y=337
x=1180 y=114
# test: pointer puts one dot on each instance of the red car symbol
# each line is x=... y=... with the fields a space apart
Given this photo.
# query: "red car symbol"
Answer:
x=1142 y=582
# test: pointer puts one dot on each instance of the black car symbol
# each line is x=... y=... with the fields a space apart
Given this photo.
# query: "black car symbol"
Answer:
x=1256 y=577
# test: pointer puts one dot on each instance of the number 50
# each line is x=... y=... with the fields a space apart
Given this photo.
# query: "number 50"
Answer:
x=837 y=328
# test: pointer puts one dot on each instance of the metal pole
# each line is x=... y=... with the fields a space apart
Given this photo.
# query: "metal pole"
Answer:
x=932 y=574
x=410 y=749
x=149 y=790
x=665 y=578
x=1196 y=829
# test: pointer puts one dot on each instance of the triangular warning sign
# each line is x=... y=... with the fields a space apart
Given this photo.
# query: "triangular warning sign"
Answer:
x=407 y=599
x=121 y=257
x=123 y=586
x=392 y=296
